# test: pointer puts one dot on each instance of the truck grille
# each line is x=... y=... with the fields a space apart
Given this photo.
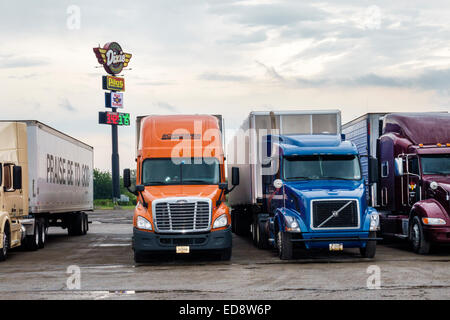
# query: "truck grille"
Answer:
x=182 y=215
x=348 y=217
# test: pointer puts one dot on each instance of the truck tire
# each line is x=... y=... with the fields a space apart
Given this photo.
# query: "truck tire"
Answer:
x=242 y=224
x=32 y=240
x=225 y=255
x=419 y=243
x=253 y=231
x=284 y=245
x=262 y=239
x=84 y=223
x=42 y=233
x=139 y=257
x=371 y=247
x=6 y=243
x=75 y=224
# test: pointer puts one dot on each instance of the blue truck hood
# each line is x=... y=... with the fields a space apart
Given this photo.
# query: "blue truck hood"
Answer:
x=299 y=195
x=316 y=189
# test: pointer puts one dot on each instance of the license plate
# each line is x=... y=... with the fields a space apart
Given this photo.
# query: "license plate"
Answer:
x=336 y=247
x=182 y=249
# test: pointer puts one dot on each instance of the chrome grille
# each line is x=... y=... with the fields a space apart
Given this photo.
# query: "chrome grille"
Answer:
x=347 y=214
x=182 y=215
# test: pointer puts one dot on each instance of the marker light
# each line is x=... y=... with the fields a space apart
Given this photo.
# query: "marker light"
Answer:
x=420 y=145
x=448 y=144
x=439 y=145
x=433 y=221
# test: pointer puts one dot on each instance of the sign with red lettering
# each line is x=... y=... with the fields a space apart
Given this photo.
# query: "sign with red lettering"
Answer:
x=117 y=118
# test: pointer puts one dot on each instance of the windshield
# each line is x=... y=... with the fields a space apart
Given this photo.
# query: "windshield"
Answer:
x=341 y=167
x=184 y=171
x=435 y=164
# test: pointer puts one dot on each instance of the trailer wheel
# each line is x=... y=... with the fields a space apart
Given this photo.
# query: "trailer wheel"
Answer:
x=242 y=225
x=253 y=230
x=32 y=241
x=371 y=247
x=75 y=224
x=262 y=240
x=84 y=223
x=284 y=245
x=6 y=243
x=42 y=233
x=419 y=243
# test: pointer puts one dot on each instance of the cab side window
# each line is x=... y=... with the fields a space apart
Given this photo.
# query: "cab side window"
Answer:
x=413 y=165
x=7 y=180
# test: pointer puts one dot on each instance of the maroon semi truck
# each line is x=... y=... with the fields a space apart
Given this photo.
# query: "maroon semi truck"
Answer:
x=412 y=193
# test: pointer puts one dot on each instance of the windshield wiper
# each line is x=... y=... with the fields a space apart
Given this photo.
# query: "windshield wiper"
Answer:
x=337 y=178
x=291 y=178
x=195 y=180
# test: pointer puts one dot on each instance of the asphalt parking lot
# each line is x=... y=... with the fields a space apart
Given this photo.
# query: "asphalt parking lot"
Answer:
x=107 y=271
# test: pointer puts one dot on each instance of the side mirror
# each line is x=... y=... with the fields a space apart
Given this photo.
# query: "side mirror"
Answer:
x=235 y=176
x=373 y=173
x=126 y=178
x=17 y=177
x=140 y=188
x=398 y=164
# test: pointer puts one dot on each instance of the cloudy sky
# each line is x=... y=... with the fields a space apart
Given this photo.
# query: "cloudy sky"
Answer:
x=227 y=57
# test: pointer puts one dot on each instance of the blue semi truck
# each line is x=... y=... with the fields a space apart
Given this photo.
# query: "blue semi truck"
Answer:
x=306 y=188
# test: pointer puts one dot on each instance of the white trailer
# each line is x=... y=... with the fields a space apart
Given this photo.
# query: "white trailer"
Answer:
x=57 y=179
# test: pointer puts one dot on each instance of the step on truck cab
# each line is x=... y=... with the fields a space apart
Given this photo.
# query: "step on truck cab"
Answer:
x=413 y=157
x=305 y=187
x=181 y=187
x=45 y=180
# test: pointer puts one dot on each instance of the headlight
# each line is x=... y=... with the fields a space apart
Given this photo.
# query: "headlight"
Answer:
x=220 y=222
x=292 y=224
x=143 y=223
x=433 y=221
x=374 y=222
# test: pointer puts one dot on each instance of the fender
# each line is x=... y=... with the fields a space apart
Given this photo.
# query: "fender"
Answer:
x=4 y=217
x=429 y=208
x=280 y=221
x=366 y=222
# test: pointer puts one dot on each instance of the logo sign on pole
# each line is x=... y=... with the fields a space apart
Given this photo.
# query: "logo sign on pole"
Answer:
x=112 y=57
x=113 y=83
x=117 y=118
x=113 y=99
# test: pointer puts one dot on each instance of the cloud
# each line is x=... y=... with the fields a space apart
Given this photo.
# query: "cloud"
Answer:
x=212 y=76
x=271 y=14
x=166 y=106
x=66 y=105
x=271 y=72
x=252 y=37
x=11 y=62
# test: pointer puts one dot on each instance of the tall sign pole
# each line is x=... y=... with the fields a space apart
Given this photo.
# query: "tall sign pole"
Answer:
x=113 y=60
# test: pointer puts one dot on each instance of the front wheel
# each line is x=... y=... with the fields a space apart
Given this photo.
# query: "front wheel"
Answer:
x=225 y=255
x=371 y=247
x=419 y=243
x=284 y=244
x=6 y=241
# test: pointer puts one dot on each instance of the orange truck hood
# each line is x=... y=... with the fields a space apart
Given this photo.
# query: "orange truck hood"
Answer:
x=158 y=192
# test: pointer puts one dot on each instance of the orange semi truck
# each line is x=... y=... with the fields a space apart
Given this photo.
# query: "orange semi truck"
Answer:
x=181 y=186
